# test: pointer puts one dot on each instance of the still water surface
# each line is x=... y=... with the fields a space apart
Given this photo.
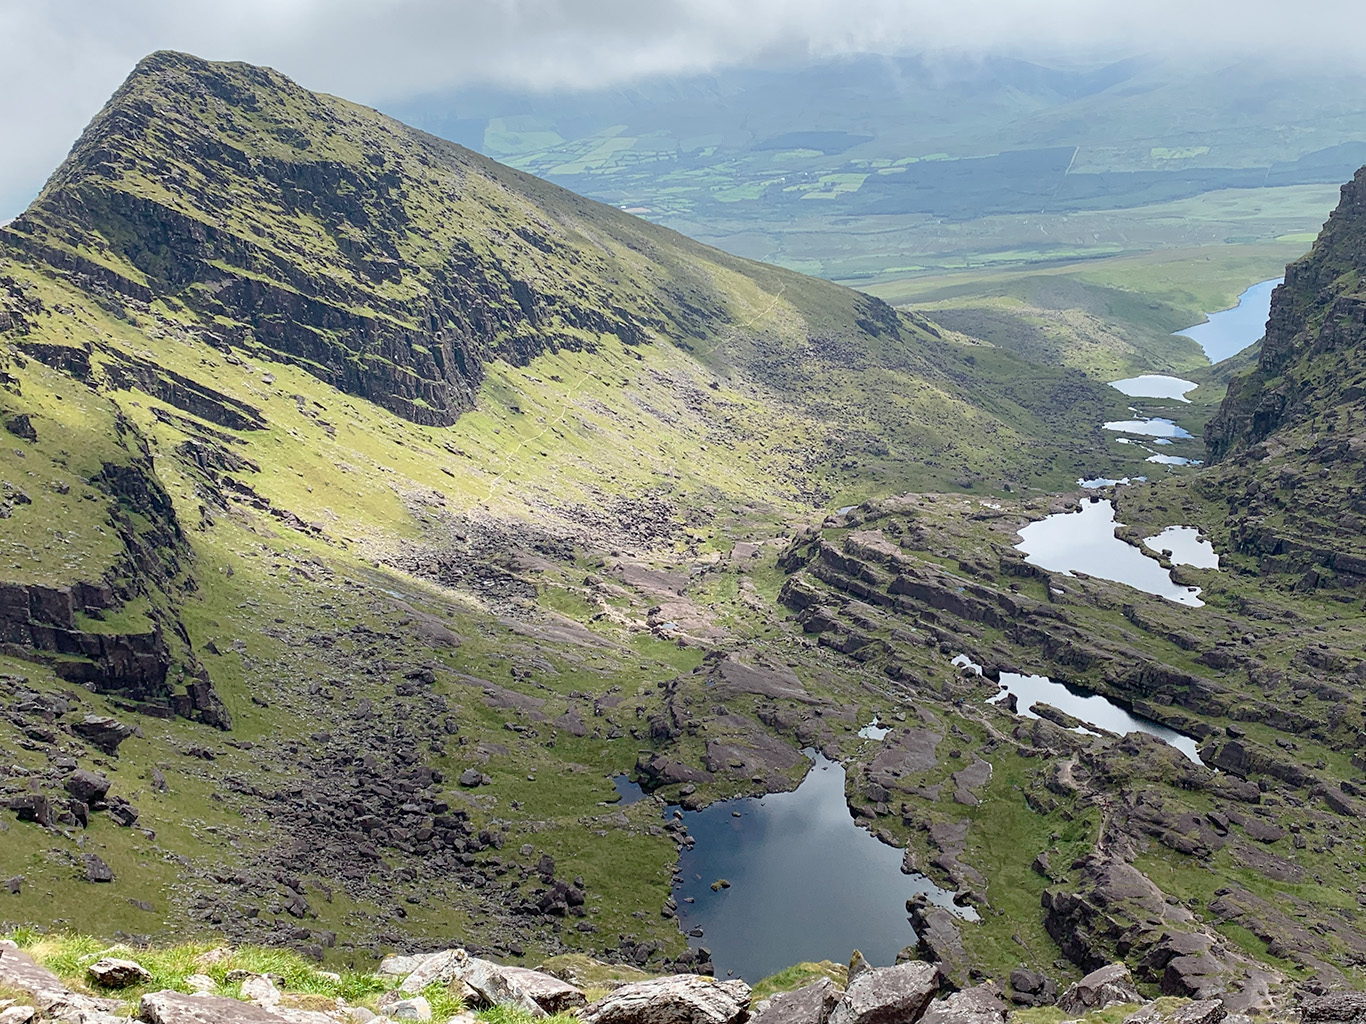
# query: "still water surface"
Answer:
x=1085 y=541
x=806 y=882
x=1092 y=708
x=1154 y=427
x=1228 y=332
x=1186 y=545
x=1155 y=385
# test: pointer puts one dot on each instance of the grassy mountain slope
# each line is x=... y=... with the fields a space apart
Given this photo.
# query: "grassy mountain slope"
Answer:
x=353 y=463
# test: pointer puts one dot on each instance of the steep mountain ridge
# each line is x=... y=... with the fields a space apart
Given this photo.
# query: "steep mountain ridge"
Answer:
x=1290 y=436
x=391 y=264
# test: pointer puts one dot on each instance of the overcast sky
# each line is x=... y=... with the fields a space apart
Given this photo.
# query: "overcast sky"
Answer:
x=62 y=58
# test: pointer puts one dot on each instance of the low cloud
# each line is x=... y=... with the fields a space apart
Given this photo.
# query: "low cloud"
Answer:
x=64 y=57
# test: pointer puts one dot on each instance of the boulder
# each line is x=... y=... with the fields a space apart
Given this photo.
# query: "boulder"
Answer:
x=1032 y=988
x=261 y=991
x=981 y=1004
x=888 y=995
x=1109 y=985
x=104 y=732
x=397 y=966
x=175 y=1008
x=17 y=1014
x=51 y=998
x=1336 y=1008
x=112 y=972
x=550 y=993
x=21 y=425
x=1204 y=1011
x=858 y=963
x=495 y=985
x=416 y=1008
x=215 y=956
x=442 y=967
x=810 y=1004
x=87 y=786
x=679 y=999
x=938 y=939
x=285 y=1015
x=123 y=813
x=533 y=991
x=200 y=983
x=33 y=807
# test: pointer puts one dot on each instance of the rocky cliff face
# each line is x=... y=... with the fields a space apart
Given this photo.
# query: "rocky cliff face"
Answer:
x=1290 y=437
x=1312 y=359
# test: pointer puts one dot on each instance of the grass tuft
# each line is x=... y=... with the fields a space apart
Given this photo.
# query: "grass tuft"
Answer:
x=799 y=976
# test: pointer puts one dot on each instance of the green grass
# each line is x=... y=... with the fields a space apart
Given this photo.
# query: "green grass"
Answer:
x=445 y=1003
x=1110 y=1015
x=69 y=956
x=1109 y=318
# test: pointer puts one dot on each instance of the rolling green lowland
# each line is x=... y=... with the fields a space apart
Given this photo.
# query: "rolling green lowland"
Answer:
x=368 y=506
x=867 y=168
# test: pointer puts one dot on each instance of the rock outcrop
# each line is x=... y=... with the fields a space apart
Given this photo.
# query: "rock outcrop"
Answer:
x=810 y=1004
x=682 y=999
x=888 y=995
x=115 y=972
x=1101 y=988
x=981 y=1004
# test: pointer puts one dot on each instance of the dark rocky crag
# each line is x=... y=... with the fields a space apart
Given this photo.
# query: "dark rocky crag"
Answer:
x=1290 y=437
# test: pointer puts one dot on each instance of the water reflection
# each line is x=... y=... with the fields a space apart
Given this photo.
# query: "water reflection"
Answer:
x=1173 y=460
x=1155 y=427
x=1155 y=385
x=1085 y=541
x=1091 y=708
x=874 y=730
x=1228 y=332
x=628 y=791
x=806 y=883
x=1187 y=547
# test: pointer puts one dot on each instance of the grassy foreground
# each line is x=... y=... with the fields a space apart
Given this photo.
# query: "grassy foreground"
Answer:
x=303 y=985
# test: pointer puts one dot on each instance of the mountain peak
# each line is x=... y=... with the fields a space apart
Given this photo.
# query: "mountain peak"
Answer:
x=387 y=262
